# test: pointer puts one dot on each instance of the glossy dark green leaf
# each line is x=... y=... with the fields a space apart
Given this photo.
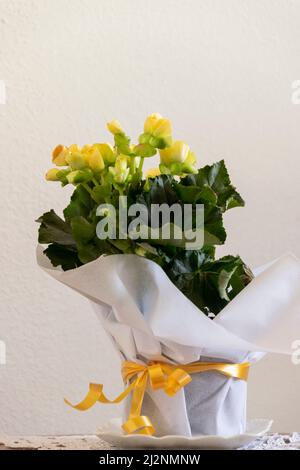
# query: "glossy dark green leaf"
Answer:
x=102 y=192
x=82 y=230
x=217 y=178
x=53 y=229
x=81 y=204
x=60 y=255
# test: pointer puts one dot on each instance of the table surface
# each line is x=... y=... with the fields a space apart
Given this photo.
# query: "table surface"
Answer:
x=53 y=443
x=267 y=442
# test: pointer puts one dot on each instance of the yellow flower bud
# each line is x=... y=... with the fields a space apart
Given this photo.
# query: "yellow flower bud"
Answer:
x=157 y=132
x=177 y=153
x=95 y=160
x=59 y=155
x=151 y=121
x=86 y=148
x=74 y=148
x=158 y=126
x=152 y=173
x=115 y=127
x=51 y=174
x=163 y=128
x=76 y=159
x=107 y=152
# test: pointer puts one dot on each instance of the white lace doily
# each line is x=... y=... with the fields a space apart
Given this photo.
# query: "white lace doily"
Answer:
x=275 y=442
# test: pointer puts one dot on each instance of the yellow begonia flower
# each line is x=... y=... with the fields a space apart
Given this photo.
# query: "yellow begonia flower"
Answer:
x=74 y=148
x=59 y=155
x=95 y=160
x=120 y=171
x=115 y=127
x=158 y=126
x=86 y=148
x=151 y=121
x=152 y=173
x=51 y=174
x=76 y=160
x=177 y=153
x=107 y=152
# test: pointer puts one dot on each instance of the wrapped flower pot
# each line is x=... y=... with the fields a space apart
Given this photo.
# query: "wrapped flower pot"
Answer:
x=188 y=327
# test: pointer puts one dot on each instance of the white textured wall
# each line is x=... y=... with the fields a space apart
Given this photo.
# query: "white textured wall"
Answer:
x=223 y=72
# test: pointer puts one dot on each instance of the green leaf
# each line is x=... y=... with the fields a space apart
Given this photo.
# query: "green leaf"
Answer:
x=209 y=284
x=53 y=229
x=81 y=204
x=62 y=256
x=164 y=190
x=229 y=275
x=186 y=262
x=216 y=177
x=196 y=195
x=123 y=246
x=214 y=232
x=161 y=191
x=102 y=192
x=88 y=252
x=82 y=230
x=92 y=250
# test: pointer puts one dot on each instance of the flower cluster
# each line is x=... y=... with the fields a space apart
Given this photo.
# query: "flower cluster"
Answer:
x=102 y=162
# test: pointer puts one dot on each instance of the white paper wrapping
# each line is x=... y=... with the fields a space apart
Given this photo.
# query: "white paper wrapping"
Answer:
x=148 y=318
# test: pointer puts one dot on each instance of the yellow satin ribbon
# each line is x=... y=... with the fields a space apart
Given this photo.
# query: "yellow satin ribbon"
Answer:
x=160 y=375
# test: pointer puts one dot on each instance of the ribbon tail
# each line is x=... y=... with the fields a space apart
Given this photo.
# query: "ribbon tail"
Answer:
x=95 y=394
x=137 y=424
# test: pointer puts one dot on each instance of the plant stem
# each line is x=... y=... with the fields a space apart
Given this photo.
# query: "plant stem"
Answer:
x=141 y=165
x=96 y=183
x=89 y=190
x=132 y=165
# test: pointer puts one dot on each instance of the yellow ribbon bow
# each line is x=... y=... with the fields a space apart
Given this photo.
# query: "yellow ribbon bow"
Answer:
x=171 y=378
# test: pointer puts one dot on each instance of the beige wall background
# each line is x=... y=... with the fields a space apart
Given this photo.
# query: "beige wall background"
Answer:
x=223 y=72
